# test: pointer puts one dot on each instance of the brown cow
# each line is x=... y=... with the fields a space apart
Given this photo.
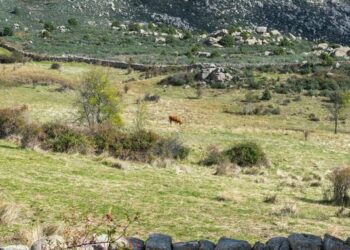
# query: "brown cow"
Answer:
x=175 y=119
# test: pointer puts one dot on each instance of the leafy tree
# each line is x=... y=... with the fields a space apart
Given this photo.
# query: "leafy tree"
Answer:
x=99 y=101
x=340 y=101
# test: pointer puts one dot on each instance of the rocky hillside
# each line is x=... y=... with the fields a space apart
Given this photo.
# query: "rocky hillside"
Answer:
x=314 y=19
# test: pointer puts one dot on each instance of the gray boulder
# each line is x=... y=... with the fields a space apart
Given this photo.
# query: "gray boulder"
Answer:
x=305 y=242
x=333 y=243
x=260 y=246
x=159 y=242
x=53 y=242
x=15 y=247
x=278 y=243
x=231 y=244
x=192 y=245
x=136 y=244
x=206 y=245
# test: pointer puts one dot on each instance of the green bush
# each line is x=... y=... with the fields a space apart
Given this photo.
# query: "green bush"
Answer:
x=266 y=96
x=247 y=154
x=7 y=31
x=49 y=26
x=73 y=22
x=227 y=41
x=63 y=139
x=11 y=121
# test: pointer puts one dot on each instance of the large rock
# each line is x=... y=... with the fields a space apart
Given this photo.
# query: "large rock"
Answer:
x=260 y=246
x=231 y=244
x=206 y=245
x=278 y=243
x=219 y=33
x=136 y=244
x=341 y=52
x=159 y=242
x=333 y=243
x=261 y=29
x=15 y=247
x=53 y=242
x=192 y=245
x=305 y=242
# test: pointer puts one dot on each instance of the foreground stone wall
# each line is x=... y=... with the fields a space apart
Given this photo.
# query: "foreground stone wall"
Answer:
x=295 y=241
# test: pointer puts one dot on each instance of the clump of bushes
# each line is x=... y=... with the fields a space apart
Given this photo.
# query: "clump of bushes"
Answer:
x=63 y=139
x=340 y=179
x=247 y=154
x=12 y=121
x=140 y=145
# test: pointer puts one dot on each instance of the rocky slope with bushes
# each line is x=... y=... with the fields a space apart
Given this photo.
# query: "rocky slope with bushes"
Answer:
x=316 y=19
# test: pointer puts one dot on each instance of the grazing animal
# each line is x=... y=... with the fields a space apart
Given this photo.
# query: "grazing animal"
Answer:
x=175 y=119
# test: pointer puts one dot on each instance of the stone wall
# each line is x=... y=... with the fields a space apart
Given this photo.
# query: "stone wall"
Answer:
x=135 y=66
x=296 y=241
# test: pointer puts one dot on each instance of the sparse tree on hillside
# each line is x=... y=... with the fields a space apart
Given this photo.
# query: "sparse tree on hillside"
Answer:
x=340 y=101
x=99 y=101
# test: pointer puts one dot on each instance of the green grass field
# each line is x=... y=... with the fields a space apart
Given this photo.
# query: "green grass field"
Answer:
x=185 y=199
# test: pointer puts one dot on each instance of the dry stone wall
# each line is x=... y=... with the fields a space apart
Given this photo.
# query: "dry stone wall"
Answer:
x=296 y=241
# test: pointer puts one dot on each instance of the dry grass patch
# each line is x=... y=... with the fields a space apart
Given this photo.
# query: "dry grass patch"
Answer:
x=27 y=74
x=9 y=213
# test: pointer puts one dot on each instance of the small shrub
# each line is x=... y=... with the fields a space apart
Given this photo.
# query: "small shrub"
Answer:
x=11 y=121
x=340 y=179
x=49 y=27
x=73 y=22
x=251 y=97
x=151 y=98
x=247 y=154
x=213 y=156
x=266 y=96
x=215 y=54
x=30 y=135
x=55 y=66
x=271 y=199
x=227 y=41
x=7 y=31
x=314 y=118
x=171 y=148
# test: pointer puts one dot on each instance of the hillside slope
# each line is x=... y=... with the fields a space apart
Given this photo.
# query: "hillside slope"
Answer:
x=314 y=19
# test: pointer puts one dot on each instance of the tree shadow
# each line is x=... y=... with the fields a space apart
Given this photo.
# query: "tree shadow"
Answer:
x=320 y=202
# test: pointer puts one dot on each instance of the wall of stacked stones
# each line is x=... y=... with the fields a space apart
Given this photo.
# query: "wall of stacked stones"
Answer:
x=296 y=241
x=135 y=66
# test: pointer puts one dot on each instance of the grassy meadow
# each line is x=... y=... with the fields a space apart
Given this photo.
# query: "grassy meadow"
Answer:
x=184 y=199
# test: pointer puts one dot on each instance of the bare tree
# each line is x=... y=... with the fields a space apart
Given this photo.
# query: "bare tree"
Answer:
x=340 y=101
